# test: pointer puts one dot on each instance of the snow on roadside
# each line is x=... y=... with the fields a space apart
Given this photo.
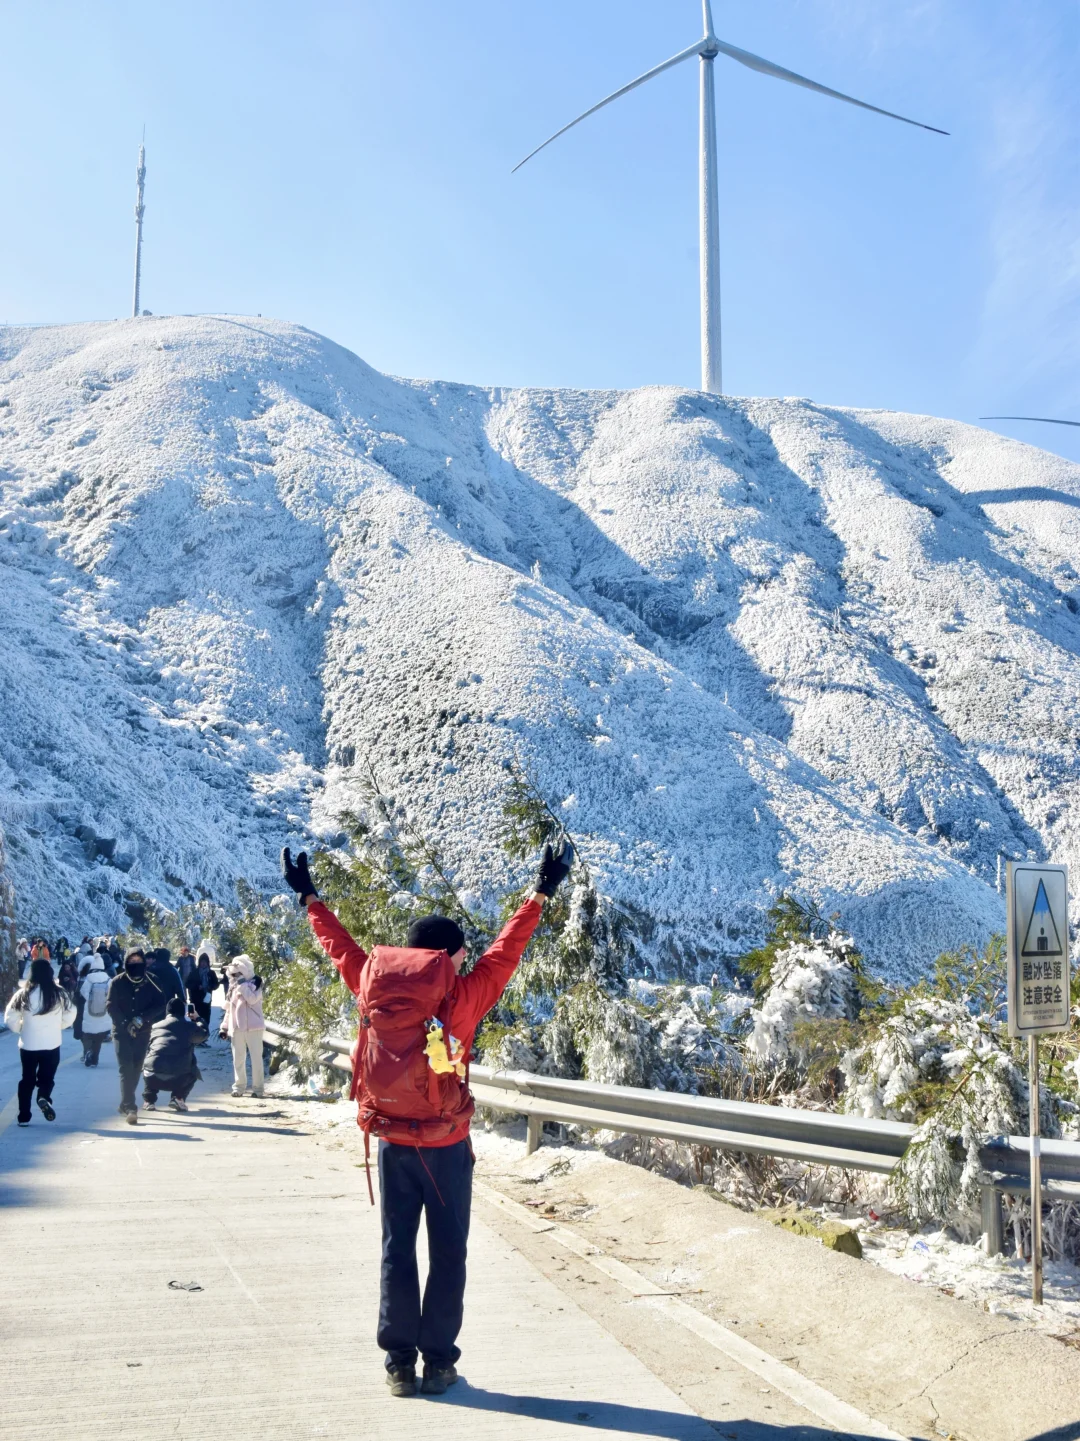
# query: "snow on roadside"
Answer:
x=1001 y=1285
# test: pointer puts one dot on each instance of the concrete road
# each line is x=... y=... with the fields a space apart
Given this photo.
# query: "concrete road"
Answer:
x=215 y=1275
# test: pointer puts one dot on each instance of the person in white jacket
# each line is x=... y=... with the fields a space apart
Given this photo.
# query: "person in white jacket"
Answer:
x=244 y=1025
x=96 y=1021
x=39 y=1011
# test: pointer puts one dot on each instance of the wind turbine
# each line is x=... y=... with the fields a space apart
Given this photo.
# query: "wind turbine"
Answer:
x=1041 y=419
x=707 y=49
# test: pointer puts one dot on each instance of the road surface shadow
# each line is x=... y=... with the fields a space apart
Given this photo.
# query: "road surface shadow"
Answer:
x=645 y=1421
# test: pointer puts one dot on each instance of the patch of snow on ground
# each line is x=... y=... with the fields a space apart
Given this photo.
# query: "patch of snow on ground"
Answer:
x=1000 y=1284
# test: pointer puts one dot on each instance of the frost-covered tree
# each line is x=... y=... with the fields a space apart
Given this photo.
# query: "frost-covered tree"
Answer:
x=808 y=972
x=939 y=1055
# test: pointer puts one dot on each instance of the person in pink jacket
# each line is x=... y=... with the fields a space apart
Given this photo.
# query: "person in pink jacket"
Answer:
x=244 y=1025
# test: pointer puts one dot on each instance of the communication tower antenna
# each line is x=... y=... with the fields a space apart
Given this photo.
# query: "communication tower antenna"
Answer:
x=140 y=176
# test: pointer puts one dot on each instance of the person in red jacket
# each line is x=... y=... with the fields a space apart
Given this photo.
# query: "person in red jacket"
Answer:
x=418 y=1019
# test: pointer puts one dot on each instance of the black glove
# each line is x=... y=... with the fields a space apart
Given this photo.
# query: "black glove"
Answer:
x=554 y=869
x=297 y=876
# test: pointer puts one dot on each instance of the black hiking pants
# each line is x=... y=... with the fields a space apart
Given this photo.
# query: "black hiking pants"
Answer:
x=130 y=1055
x=91 y=1044
x=38 y=1069
x=435 y=1181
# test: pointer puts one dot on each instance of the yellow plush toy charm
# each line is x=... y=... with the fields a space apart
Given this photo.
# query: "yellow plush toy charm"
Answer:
x=435 y=1050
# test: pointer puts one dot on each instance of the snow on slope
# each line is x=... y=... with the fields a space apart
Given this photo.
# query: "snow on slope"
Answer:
x=746 y=646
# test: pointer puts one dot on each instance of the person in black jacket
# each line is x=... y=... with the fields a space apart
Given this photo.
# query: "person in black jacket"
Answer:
x=201 y=987
x=159 y=967
x=170 y=1063
x=135 y=1002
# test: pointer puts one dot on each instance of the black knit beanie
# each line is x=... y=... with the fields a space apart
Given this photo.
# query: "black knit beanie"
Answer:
x=436 y=933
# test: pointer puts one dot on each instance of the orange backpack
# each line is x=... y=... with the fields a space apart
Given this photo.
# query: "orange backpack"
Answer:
x=401 y=1097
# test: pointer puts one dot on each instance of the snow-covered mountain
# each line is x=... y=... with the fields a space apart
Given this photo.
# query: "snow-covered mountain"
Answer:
x=744 y=645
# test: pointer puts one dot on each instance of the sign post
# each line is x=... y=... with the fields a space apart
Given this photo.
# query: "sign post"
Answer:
x=1037 y=900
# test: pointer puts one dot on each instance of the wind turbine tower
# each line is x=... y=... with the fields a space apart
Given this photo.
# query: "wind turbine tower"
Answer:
x=140 y=178
x=707 y=49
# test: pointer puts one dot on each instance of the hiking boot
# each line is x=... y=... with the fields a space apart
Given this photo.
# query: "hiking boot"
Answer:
x=401 y=1380
x=436 y=1379
x=131 y=1117
x=46 y=1106
x=177 y=1104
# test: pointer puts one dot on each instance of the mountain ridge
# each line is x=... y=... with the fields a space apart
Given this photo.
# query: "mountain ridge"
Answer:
x=745 y=645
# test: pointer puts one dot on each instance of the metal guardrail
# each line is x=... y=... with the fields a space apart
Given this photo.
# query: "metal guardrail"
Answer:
x=824 y=1138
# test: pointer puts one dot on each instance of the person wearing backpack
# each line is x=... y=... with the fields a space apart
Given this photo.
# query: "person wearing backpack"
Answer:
x=94 y=994
x=40 y=1011
x=418 y=1018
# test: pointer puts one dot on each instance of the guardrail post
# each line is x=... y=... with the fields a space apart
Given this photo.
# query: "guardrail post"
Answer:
x=993 y=1222
x=534 y=1134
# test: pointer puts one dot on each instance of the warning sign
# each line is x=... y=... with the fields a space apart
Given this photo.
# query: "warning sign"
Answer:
x=1038 y=942
x=1041 y=937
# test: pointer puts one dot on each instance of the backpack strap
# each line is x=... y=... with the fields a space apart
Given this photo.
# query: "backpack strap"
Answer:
x=367 y=1162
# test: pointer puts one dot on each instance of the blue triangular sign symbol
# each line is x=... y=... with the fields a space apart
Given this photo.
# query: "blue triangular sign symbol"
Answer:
x=1042 y=936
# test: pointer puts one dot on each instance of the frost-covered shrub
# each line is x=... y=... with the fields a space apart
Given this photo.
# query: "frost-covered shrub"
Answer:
x=939 y=1055
x=692 y=1037
x=811 y=981
x=514 y=1048
x=952 y=1072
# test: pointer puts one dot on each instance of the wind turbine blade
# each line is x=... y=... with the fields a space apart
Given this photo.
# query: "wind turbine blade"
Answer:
x=1042 y=419
x=766 y=67
x=687 y=54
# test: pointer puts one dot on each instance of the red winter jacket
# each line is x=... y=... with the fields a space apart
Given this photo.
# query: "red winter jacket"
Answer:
x=471 y=997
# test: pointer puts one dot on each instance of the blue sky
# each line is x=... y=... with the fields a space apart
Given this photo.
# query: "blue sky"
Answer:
x=347 y=166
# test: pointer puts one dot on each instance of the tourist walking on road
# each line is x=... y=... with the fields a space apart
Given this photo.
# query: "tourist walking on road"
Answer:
x=415 y=1004
x=170 y=1063
x=39 y=1011
x=204 y=982
x=68 y=974
x=135 y=1002
x=39 y=951
x=243 y=1024
x=94 y=995
x=185 y=966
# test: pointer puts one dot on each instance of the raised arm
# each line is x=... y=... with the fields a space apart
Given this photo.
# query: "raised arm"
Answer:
x=330 y=933
x=476 y=993
x=337 y=943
